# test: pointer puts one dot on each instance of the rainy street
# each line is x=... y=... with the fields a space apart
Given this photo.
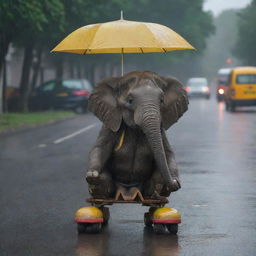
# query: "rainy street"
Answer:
x=42 y=184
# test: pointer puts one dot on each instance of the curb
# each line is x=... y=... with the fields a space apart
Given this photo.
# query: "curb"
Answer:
x=33 y=126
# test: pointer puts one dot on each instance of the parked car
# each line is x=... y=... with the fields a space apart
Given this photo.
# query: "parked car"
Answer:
x=61 y=94
x=198 y=87
x=241 y=88
x=221 y=83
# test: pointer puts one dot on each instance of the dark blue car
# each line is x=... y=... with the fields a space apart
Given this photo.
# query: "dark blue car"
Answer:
x=61 y=94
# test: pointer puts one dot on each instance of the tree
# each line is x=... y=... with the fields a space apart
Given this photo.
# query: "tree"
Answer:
x=16 y=17
x=220 y=45
x=245 y=45
x=35 y=38
x=186 y=17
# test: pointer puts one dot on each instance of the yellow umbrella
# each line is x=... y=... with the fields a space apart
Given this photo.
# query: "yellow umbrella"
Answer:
x=122 y=36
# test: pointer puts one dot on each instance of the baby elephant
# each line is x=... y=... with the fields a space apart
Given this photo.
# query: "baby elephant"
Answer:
x=132 y=149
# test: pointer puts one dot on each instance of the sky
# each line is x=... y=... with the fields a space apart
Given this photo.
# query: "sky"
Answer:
x=217 y=6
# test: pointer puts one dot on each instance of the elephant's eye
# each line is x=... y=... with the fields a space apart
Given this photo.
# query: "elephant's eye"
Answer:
x=130 y=100
x=161 y=100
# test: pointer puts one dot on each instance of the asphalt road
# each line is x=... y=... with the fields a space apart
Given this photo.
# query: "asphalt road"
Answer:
x=42 y=185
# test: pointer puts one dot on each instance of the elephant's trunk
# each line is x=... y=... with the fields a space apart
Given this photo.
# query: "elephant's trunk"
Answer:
x=148 y=117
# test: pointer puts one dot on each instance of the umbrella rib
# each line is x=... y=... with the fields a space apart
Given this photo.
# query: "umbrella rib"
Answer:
x=141 y=50
x=85 y=51
x=164 y=50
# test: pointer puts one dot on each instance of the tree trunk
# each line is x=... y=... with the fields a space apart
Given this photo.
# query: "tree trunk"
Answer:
x=37 y=66
x=41 y=74
x=59 y=67
x=71 y=68
x=4 y=85
x=79 y=75
x=92 y=74
x=24 y=82
x=4 y=46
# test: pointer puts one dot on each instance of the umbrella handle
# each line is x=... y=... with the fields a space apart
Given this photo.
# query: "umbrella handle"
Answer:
x=122 y=62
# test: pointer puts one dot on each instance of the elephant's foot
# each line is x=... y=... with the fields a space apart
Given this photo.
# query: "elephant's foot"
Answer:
x=156 y=195
x=175 y=185
x=100 y=185
x=156 y=191
x=93 y=177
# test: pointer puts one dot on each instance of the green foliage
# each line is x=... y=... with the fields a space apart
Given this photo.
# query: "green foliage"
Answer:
x=40 y=24
x=186 y=17
x=245 y=46
x=30 y=20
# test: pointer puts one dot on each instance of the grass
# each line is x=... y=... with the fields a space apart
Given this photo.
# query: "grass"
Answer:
x=11 y=121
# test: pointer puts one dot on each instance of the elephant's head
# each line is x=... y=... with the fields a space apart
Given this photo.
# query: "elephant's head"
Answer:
x=145 y=100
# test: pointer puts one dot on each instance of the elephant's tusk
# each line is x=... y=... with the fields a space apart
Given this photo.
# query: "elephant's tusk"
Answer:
x=121 y=142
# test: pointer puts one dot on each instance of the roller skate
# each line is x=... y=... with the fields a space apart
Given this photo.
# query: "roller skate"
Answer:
x=163 y=219
x=91 y=219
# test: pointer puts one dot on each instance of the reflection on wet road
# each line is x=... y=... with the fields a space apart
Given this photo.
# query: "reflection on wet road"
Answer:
x=41 y=188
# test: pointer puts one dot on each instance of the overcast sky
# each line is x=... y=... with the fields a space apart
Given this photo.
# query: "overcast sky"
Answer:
x=217 y=6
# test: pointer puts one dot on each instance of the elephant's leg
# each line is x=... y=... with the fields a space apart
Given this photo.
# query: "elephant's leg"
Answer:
x=102 y=187
x=155 y=188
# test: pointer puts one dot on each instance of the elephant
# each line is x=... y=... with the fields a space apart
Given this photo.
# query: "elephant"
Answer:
x=132 y=149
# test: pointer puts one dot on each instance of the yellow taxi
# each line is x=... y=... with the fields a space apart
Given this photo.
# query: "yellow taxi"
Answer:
x=241 y=88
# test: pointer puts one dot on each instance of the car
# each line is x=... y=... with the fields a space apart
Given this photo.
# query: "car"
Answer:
x=61 y=94
x=198 y=87
x=241 y=88
x=221 y=83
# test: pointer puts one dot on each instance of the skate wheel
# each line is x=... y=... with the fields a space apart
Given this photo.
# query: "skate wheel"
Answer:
x=148 y=219
x=81 y=228
x=106 y=215
x=173 y=228
x=93 y=227
x=159 y=228
x=89 y=228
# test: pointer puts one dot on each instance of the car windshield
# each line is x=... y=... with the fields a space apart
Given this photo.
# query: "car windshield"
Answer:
x=246 y=79
x=197 y=83
x=222 y=82
x=73 y=84
x=87 y=85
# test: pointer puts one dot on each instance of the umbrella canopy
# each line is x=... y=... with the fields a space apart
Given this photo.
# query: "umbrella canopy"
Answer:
x=122 y=36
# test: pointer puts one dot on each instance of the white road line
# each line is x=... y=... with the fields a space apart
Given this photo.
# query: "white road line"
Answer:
x=42 y=145
x=87 y=128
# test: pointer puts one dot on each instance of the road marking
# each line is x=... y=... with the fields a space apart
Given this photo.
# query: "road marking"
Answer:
x=199 y=205
x=42 y=145
x=87 y=128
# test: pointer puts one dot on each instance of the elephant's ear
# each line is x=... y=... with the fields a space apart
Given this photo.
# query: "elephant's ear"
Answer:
x=103 y=103
x=175 y=100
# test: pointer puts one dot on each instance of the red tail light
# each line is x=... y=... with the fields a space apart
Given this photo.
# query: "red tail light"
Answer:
x=187 y=89
x=221 y=91
x=81 y=93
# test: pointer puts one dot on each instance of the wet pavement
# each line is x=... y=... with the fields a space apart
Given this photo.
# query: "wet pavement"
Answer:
x=42 y=184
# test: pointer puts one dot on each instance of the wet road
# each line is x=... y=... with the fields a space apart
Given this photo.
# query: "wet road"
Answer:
x=42 y=185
